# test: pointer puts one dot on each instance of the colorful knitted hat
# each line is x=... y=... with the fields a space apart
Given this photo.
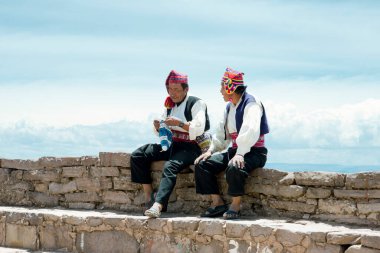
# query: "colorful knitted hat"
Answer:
x=231 y=80
x=176 y=77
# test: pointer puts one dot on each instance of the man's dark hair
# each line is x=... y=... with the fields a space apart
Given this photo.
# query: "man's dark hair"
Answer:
x=184 y=85
x=240 y=90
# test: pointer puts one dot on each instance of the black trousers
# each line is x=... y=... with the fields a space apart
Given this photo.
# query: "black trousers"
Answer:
x=177 y=157
x=206 y=171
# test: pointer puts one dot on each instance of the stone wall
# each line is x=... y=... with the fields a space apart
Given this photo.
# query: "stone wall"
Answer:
x=100 y=232
x=104 y=183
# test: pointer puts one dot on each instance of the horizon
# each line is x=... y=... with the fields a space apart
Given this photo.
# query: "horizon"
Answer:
x=78 y=78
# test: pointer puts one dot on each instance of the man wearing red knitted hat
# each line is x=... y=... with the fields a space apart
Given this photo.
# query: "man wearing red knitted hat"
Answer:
x=244 y=126
x=187 y=118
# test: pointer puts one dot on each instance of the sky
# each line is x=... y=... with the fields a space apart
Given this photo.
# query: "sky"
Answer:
x=83 y=77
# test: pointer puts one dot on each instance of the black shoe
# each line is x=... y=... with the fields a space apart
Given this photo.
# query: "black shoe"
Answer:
x=215 y=211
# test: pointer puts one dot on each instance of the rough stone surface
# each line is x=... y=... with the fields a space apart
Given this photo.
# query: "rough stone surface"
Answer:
x=56 y=237
x=114 y=159
x=105 y=183
x=107 y=241
x=319 y=179
x=20 y=236
x=361 y=249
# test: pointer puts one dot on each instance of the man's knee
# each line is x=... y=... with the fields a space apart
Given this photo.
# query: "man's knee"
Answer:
x=235 y=172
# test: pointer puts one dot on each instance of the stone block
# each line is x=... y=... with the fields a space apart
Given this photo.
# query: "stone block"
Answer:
x=17 y=174
x=318 y=193
x=291 y=191
x=292 y=206
x=269 y=190
x=86 y=206
x=82 y=197
x=89 y=160
x=56 y=237
x=104 y=171
x=20 y=164
x=211 y=227
x=109 y=159
x=157 y=165
x=2 y=230
x=58 y=162
x=239 y=246
x=188 y=194
x=43 y=200
x=94 y=222
x=41 y=187
x=42 y=175
x=106 y=241
x=183 y=225
x=371 y=241
x=4 y=174
x=124 y=183
x=288 y=179
x=366 y=180
x=369 y=208
x=325 y=248
x=343 y=238
x=236 y=230
x=23 y=186
x=337 y=206
x=361 y=249
x=19 y=236
x=319 y=179
x=185 y=180
x=55 y=188
x=77 y=171
x=88 y=184
x=117 y=197
x=157 y=245
x=214 y=247
x=289 y=238
x=260 y=233
x=318 y=236
x=357 y=194
x=105 y=183
x=271 y=174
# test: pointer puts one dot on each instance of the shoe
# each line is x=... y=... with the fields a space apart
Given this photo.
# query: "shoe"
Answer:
x=153 y=212
x=150 y=203
x=231 y=215
x=215 y=211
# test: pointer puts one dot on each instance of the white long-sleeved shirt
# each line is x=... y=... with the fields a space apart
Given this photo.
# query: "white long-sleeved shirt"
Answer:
x=197 y=124
x=249 y=132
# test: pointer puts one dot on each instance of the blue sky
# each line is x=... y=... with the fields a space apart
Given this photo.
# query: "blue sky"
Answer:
x=80 y=77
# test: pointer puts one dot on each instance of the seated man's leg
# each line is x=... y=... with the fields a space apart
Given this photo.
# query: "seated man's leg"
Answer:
x=141 y=160
x=206 y=171
x=236 y=177
x=183 y=155
x=206 y=182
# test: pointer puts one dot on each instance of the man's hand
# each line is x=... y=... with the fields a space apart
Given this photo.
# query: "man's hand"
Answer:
x=171 y=121
x=156 y=124
x=202 y=157
x=237 y=161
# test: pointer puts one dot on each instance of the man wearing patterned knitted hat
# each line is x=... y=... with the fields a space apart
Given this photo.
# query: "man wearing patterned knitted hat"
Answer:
x=244 y=126
x=187 y=118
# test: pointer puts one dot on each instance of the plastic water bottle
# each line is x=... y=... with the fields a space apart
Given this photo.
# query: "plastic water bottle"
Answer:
x=165 y=136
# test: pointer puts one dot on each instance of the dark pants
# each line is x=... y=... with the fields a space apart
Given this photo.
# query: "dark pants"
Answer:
x=206 y=171
x=177 y=157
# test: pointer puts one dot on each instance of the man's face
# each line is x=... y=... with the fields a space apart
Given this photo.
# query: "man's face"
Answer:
x=226 y=97
x=176 y=92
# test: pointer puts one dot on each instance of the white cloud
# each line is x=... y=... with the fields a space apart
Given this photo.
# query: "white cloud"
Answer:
x=349 y=126
x=349 y=134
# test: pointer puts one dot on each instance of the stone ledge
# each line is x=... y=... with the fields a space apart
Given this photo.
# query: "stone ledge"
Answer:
x=101 y=231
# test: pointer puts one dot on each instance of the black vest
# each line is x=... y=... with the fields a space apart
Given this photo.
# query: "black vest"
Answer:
x=191 y=100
